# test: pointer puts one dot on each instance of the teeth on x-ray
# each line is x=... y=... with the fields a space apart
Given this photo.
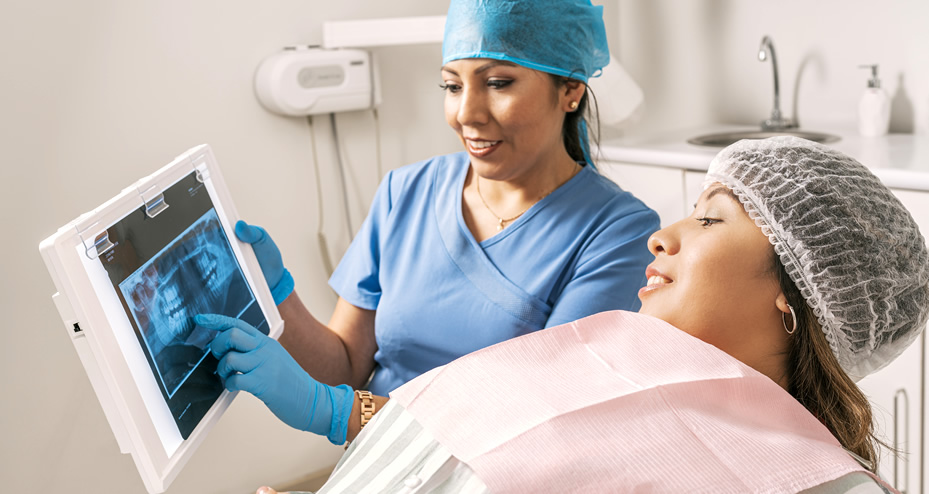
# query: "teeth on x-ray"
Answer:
x=193 y=284
x=195 y=274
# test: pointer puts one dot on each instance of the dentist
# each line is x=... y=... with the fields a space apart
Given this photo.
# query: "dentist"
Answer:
x=516 y=233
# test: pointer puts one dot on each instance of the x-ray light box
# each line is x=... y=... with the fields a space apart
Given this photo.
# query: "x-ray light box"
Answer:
x=130 y=275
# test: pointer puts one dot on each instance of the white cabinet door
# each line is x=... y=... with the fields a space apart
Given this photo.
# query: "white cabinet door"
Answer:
x=918 y=204
x=693 y=187
x=659 y=188
x=897 y=393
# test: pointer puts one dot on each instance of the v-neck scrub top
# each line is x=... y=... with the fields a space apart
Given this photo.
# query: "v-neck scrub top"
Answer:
x=439 y=294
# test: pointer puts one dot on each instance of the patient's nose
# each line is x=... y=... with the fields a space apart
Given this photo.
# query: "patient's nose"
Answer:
x=663 y=242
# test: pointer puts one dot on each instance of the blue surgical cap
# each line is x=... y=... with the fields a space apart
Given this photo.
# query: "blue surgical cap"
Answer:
x=562 y=37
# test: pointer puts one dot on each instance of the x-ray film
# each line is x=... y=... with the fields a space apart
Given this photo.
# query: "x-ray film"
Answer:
x=167 y=274
x=196 y=273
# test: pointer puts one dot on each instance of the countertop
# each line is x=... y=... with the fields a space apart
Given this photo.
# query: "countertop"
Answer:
x=901 y=161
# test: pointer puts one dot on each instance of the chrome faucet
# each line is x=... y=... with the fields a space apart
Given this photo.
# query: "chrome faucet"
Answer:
x=776 y=122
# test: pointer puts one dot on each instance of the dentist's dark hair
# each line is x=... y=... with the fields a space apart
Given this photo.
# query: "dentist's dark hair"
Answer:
x=574 y=142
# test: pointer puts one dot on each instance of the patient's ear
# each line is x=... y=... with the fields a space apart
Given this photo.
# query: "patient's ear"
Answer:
x=784 y=307
x=781 y=303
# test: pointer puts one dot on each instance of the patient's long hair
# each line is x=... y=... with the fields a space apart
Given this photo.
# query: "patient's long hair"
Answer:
x=818 y=382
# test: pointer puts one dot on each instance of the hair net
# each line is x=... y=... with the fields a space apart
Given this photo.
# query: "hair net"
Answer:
x=851 y=247
x=563 y=37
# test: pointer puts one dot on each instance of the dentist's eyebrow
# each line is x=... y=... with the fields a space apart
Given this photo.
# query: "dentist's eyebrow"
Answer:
x=482 y=68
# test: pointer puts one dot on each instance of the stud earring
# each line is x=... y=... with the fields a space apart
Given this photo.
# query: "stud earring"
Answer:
x=573 y=105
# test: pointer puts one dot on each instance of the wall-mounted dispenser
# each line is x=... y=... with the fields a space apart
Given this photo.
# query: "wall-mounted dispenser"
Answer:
x=300 y=81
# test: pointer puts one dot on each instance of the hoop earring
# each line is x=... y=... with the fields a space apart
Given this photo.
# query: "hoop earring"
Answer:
x=793 y=316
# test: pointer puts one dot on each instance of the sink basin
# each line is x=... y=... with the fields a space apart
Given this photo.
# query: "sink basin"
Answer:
x=723 y=139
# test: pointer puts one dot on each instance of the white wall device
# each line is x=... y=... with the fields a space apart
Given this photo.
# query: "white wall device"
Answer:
x=300 y=81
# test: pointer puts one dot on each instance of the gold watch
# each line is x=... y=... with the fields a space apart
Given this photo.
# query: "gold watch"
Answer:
x=367 y=405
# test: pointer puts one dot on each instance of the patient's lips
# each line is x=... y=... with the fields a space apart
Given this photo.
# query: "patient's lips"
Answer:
x=656 y=281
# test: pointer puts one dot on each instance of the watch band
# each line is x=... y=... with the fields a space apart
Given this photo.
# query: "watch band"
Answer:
x=367 y=405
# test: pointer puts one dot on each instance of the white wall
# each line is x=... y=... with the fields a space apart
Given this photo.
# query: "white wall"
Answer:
x=98 y=93
x=697 y=60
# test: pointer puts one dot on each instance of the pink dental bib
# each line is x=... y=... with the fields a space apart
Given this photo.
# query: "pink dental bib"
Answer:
x=621 y=402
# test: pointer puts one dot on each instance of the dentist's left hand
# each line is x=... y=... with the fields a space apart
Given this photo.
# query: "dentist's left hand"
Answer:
x=251 y=361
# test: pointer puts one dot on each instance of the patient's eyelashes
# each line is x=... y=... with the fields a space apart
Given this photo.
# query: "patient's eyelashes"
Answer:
x=706 y=222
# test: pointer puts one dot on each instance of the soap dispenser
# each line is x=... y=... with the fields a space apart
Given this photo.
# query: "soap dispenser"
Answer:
x=874 y=107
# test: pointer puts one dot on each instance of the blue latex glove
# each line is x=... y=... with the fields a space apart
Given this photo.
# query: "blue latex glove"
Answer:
x=251 y=361
x=269 y=257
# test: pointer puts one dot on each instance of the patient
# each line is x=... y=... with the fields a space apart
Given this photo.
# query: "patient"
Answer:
x=797 y=274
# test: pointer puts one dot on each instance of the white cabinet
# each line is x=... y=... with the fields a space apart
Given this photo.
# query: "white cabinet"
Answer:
x=658 y=187
x=897 y=393
x=693 y=187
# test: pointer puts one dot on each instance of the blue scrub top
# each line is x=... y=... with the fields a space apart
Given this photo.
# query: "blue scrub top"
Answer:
x=439 y=294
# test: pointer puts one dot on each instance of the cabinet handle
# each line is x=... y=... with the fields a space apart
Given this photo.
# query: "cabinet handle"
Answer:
x=902 y=455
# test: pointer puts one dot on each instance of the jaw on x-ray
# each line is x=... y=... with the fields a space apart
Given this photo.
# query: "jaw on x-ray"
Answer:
x=197 y=273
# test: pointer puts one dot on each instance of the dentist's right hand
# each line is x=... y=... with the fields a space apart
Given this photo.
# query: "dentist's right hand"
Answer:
x=251 y=361
x=269 y=257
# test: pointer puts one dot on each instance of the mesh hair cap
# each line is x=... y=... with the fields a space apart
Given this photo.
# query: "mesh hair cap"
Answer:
x=562 y=37
x=847 y=242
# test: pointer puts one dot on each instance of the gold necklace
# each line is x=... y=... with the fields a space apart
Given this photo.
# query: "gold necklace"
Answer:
x=501 y=222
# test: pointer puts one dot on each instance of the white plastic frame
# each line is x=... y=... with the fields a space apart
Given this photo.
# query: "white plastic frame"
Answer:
x=101 y=338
